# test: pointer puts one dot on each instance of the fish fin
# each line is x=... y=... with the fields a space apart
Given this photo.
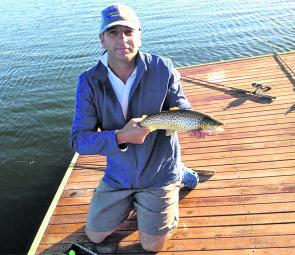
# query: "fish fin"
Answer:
x=169 y=132
x=220 y=129
x=144 y=116
x=152 y=129
x=174 y=108
x=216 y=131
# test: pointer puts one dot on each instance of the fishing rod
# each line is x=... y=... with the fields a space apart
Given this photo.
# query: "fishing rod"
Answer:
x=276 y=54
x=33 y=162
x=258 y=87
x=257 y=91
x=48 y=163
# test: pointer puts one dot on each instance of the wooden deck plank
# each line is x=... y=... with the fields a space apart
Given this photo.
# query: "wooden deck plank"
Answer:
x=204 y=192
x=208 y=210
x=197 y=221
x=195 y=244
x=248 y=207
x=214 y=183
x=208 y=201
x=245 y=174
x=188 y=232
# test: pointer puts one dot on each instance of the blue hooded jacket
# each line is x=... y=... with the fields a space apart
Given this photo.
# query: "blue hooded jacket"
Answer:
x=156 y=87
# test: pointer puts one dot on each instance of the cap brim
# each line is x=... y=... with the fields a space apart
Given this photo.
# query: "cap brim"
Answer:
x=120 y=23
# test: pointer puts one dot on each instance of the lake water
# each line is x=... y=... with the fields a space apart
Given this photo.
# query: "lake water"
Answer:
x=45 y=45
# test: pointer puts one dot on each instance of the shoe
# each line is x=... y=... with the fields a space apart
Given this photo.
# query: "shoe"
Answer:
x=205 y=172
x=190 y=178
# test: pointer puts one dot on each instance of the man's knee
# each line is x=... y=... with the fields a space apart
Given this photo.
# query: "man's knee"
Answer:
x=153 y=243
x=97 y=237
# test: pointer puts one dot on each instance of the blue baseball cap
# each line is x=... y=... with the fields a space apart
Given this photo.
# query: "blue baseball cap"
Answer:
x=118 y=14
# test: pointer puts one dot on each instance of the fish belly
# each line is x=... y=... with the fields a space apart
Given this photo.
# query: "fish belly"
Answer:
x=170 y=126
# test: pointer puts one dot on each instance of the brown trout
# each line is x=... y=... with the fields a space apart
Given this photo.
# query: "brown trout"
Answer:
x=181 y=121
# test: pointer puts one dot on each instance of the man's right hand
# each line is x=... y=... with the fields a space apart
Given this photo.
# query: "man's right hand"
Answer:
x=132 y=132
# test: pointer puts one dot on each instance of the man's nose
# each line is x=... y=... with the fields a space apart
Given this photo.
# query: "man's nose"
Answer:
x=122 y=35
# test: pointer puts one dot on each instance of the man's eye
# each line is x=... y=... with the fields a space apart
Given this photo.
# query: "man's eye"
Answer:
x=113 y=32
x=128 y=32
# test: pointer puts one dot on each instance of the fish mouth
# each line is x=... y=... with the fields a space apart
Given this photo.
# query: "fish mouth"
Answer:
x=220 y=123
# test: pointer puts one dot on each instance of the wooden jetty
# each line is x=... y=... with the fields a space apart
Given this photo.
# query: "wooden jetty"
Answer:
x=248 y=207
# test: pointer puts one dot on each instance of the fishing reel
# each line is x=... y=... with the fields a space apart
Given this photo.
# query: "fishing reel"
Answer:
x=260 y=86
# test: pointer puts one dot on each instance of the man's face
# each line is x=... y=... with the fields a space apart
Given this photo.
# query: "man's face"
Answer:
x=121 y=42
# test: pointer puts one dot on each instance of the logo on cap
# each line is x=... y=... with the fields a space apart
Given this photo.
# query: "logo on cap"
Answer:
x=113 y=12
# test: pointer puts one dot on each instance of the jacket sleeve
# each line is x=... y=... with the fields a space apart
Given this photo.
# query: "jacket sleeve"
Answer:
x=85 y=139
x=175 y=96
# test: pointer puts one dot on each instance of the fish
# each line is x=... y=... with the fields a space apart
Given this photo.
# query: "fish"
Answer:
x=181 y=120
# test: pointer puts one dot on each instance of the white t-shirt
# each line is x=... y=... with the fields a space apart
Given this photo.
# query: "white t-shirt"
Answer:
x=121 y=90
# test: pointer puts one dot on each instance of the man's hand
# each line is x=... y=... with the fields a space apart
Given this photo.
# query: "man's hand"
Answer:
x=199 y=133
x=132 y=132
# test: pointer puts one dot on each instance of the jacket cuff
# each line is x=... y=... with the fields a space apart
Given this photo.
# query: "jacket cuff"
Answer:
x=123 y=146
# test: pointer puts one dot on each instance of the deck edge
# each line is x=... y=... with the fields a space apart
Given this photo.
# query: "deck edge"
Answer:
x=233 y=60
x=52 y=207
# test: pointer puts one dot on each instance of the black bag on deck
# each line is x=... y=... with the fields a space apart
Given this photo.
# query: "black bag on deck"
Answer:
x=79 y=250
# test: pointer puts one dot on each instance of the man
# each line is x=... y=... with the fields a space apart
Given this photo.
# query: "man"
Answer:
x=143 y=168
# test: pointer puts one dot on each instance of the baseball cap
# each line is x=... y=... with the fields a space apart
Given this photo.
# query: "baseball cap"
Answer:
x=118 y=14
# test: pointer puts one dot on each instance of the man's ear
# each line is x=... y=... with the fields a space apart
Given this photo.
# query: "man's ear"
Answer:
x=101 y=39
x=139 y=38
